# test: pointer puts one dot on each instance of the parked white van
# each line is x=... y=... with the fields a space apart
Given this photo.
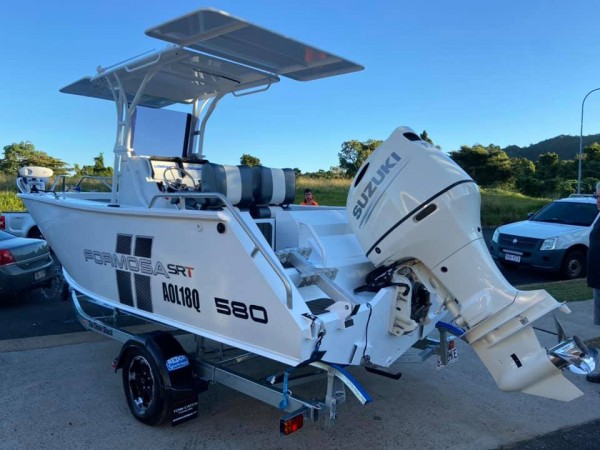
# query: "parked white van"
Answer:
x=555 y=238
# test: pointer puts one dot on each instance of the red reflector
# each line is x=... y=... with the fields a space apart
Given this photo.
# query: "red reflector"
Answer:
x=288 y=426
x=2 y=223
x=6 y=257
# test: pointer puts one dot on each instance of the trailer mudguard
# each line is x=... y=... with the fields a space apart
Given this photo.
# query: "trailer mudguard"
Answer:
x=177 y=378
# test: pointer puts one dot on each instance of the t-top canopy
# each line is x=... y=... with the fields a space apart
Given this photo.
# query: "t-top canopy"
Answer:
x=181 y=77
x=217 y=33
x=214 y=54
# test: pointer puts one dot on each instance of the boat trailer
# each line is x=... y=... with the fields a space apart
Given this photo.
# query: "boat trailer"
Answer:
x=165 y=369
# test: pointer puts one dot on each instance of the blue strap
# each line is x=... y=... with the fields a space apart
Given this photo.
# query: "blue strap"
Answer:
x=283 y=404
x=450 y=328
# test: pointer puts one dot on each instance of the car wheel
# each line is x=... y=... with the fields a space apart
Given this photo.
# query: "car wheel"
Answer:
x=65 y=291
x=143 y=390
x=507 y=265
x=35 y=233
x=574 y=265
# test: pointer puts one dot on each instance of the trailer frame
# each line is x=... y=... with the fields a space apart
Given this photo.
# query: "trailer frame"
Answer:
x=215 y=363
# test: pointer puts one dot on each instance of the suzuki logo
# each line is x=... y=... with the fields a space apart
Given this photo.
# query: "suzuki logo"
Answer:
x=515 y=240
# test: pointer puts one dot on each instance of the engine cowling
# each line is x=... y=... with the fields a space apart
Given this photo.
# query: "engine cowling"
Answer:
x=406 y=192
x=410 y=201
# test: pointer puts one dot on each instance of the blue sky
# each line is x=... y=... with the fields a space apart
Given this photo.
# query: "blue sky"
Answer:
x=510 y=72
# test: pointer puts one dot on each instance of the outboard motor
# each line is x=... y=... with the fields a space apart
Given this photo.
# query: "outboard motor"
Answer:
x=410 y=202
x=33 y=179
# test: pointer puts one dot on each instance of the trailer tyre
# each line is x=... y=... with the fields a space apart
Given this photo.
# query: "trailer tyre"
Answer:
x=144 y=392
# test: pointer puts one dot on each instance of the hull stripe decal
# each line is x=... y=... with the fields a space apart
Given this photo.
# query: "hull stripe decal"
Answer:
x=124 y=278
x=143 y=294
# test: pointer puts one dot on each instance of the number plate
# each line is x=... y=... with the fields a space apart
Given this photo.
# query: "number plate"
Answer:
x=39 y=275
x=452 y=356
x=513 y=258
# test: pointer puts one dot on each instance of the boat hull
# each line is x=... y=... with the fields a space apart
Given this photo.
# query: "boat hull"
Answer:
x=182 y=269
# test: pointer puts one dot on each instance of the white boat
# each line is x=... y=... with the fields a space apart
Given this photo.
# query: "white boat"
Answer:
x=222 y=252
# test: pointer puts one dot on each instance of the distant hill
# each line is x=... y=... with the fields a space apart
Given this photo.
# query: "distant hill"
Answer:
x=565 y=146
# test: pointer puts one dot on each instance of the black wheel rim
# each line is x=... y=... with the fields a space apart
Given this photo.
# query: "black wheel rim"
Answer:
x=574 y=268
x=141 y=384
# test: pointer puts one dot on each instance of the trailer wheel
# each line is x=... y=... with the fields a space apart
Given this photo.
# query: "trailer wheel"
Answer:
x=144 y=392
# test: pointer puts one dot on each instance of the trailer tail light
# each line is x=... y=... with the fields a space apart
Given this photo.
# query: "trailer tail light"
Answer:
x=290 y=425
x=6 y=258
x=2 y=223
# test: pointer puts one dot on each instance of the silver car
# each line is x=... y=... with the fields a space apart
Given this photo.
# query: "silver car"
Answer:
x=24 y=264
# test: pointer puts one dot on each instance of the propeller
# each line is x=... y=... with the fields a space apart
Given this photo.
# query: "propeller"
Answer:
x=572 y=353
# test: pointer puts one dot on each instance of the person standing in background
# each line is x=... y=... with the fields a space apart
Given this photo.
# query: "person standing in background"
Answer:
x=593 y=275
x=309 y=199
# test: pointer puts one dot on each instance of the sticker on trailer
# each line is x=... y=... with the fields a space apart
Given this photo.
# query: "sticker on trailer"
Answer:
x=177 y=362
x=184 y=411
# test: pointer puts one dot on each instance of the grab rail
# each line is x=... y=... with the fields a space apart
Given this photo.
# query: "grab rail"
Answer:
x=258 y=246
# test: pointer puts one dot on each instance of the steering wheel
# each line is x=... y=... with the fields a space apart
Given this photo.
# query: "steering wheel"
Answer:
x=172 y=178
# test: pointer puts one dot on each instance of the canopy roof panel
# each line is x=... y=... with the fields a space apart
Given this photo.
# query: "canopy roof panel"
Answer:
x=217 y=33
x=175 y=75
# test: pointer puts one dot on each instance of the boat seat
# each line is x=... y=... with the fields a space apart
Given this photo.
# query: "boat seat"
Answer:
x=234 y=182
x=272 y=187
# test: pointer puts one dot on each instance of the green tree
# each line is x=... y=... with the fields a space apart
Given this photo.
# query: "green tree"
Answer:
x=592 y=153
x=547 y=166
x=588 y=184
x=524 y=180
x=529 y=186
x=249 y=160
x=425 y=137
x=98 y=169
x=488 y=166
x=354 y=153
x=567 y=170
x=25 y=154
x=590 y=165
x=522 y=167
x=336 y=172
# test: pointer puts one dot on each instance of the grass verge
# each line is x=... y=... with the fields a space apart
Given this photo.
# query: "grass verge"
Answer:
x=564 y=291
x=567 y=291
x=499 y=207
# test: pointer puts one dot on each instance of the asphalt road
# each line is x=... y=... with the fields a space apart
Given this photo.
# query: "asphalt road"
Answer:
x=36 y=313
x=74 y=398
